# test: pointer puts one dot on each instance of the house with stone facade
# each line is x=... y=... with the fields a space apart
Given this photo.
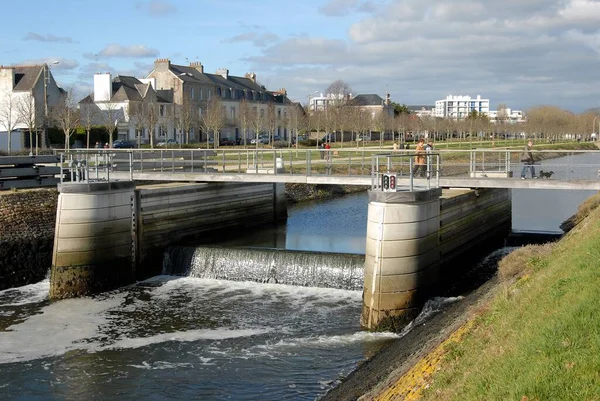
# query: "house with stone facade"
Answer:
x=26 y=92
x=192 y=87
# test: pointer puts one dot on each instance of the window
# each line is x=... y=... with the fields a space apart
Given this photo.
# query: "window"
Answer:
x=232 y=113
x=231 y=93
x=200 y=94
x=279 y=114
x=207 y=94
x=200 y=112
x=192 y=93
x=162 y=132
x=219 y=93
x=162 y=110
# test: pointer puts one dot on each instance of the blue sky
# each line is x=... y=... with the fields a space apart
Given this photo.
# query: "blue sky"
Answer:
x=521 y=53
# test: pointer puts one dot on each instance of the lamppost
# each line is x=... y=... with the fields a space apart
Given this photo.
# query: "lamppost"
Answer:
x=46 y=70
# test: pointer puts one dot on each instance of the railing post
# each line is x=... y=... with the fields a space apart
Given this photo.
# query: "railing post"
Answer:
x=308 y=160
x=172 y=161
x=131 y=166
x=192 y=160
x=223 y=159
x=411 y=180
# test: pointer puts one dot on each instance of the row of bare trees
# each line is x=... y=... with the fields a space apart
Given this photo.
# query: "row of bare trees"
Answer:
x=254 y=119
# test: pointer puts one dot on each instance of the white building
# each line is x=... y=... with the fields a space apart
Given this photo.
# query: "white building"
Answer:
x=25 y=93
x=459 y=107
x=322 y=101
x=117 y=99
x=507 y=115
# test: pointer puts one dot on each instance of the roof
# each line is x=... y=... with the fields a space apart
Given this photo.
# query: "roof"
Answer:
x=26 y=76
x=127 y=88
x=244 y=84
x=420 y=107
x=367 y=100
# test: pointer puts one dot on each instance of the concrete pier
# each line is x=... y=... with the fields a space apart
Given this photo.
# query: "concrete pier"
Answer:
x=402 y=256
x=416 y=241
x=93 y=244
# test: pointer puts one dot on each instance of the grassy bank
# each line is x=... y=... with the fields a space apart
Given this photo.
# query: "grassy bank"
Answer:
x=539 y=339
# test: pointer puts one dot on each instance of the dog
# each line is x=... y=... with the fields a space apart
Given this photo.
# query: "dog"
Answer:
x=546 y=174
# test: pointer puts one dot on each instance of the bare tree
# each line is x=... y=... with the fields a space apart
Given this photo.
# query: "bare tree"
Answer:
x=258 y=122
x=89 y=114
x=184 y=117
x=66 y=115
x=339 y=91
x=30 y=117
x=213 y=119
x=271 y=121
x=137 y=117
x=379 y=124
x=111 y=115
x=244 y=118
x=9 y=118
x=152 y=119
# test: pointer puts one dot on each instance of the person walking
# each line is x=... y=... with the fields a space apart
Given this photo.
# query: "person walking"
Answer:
x=327 y=151
x=528 y=160
x=419 y=159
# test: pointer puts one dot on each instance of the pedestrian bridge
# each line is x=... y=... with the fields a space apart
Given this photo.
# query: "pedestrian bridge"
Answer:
x=475 y=168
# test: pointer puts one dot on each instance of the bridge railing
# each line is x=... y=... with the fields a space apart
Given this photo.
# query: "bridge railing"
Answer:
x=352 y=162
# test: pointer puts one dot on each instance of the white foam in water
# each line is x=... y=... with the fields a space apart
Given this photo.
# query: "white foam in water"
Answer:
x=253 y=290
x=29 y=294
x=162 y=365
x=60 y=327
x=430 y=308
x=331 y=341
x=184 y=336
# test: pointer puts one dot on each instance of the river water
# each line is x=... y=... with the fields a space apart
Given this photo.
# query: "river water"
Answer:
x=192 y=338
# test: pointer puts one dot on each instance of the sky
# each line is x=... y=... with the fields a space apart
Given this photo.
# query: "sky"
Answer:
x=521 y=53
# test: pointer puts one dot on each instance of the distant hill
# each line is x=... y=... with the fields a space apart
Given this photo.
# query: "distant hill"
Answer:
x=594 y=110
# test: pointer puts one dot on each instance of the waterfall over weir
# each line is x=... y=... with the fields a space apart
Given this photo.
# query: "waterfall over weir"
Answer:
x=267 y=265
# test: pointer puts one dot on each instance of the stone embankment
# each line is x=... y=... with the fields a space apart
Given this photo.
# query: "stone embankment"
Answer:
x=27 y=219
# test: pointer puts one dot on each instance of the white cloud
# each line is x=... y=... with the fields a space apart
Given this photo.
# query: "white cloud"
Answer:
x=523 y=52
x=54 y=63
x=47 y=38
x=156 y=8
x=115 y=50
x=258 y=39
x=335 y=8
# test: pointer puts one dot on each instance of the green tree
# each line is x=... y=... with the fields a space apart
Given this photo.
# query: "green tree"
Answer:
x=400 y=108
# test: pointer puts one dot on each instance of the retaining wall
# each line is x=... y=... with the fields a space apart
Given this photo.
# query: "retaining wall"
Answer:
x=27 y=219
x=169 y=213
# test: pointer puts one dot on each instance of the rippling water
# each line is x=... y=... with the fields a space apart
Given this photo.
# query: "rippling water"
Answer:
x=181 y=338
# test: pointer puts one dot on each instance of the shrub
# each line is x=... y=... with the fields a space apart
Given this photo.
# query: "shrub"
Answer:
x=309 y=143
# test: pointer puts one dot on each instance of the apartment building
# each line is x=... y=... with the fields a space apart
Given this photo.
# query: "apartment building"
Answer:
x=459 y=107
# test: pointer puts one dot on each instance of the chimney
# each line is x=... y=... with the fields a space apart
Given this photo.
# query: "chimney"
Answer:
x=102 y=87
x=7 y=74
x=283 y=91
x=224 y=72
x=251 y=76
x=162 y=64
x=198 y=66
x=388 y=100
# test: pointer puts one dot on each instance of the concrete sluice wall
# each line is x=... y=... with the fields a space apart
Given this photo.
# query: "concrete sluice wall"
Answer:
x=170 y=213
x=266 y=265
x=417 y=243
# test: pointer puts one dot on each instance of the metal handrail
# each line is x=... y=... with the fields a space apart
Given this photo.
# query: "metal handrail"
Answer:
x=356 y=162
